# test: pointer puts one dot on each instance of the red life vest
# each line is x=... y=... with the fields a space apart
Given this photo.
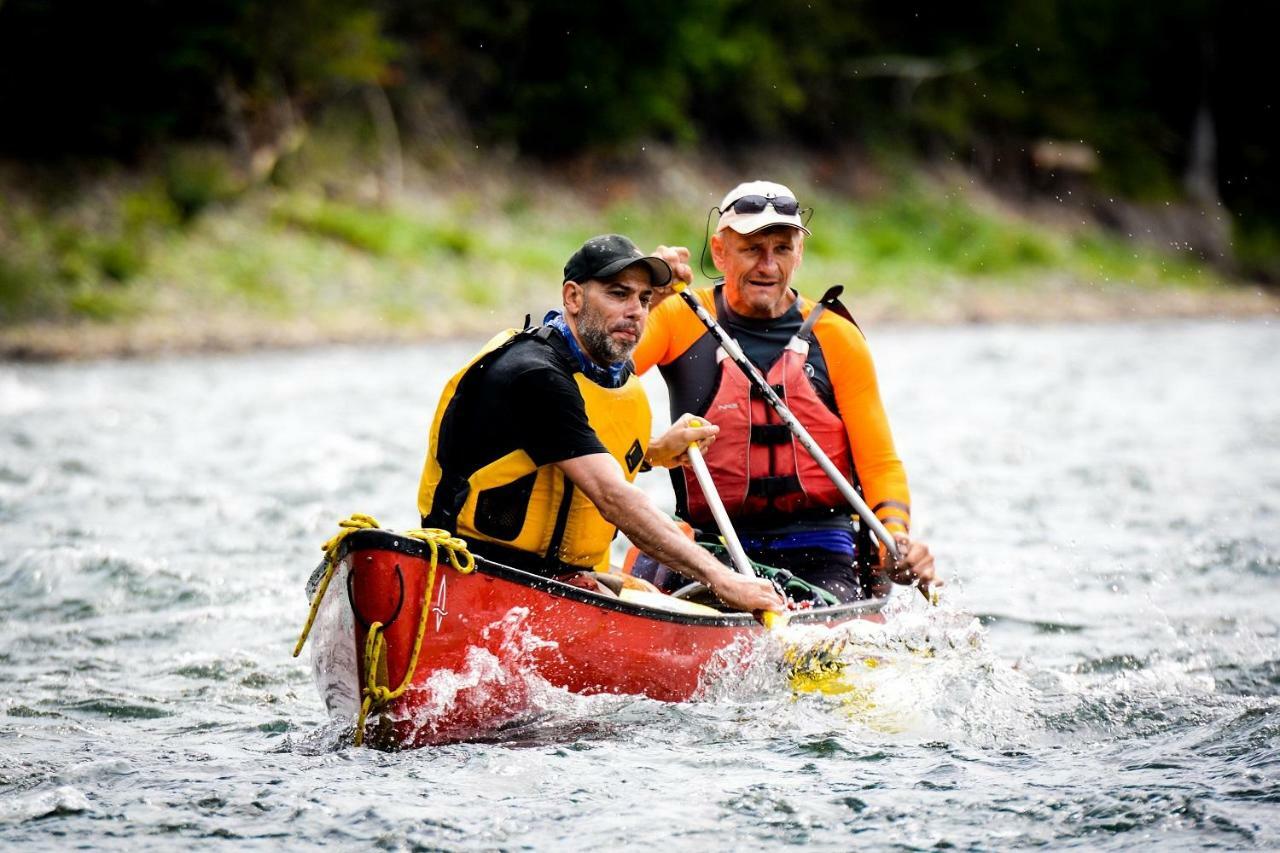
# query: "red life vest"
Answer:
x=758 y=466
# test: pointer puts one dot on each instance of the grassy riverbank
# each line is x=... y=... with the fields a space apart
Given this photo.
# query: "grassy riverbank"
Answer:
x=181 y=256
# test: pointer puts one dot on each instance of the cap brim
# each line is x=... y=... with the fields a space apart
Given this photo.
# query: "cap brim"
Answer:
x=659 y=270
x=750 y=223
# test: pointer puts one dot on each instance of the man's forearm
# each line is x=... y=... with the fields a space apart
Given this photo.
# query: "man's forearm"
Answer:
x=656 y=535
x=622 y=504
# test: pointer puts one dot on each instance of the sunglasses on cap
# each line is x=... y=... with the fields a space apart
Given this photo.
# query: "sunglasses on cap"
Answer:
x=786 y=205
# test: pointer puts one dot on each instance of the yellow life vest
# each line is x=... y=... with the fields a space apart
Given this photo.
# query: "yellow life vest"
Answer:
x=520 y=506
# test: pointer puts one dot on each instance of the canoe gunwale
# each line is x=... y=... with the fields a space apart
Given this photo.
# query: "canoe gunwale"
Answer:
x=379 y=539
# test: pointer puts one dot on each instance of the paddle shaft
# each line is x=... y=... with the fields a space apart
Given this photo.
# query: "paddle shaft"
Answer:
x=739 y=556
x=771 y=619
x=797 y=429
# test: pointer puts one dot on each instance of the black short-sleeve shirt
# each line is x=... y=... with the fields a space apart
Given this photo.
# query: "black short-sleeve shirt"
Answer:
x=523 y=397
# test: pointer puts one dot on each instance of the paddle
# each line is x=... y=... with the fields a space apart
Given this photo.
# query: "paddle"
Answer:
x=737 y=554
x=817 y=668
x=762 y=386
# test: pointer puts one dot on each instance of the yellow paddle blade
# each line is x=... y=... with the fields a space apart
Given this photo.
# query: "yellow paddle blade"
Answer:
x=827 y=683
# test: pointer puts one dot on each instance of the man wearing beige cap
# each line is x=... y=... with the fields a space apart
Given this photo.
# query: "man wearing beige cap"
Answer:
x=786 y=511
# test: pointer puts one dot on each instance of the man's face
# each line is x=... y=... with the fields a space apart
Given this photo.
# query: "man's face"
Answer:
x=758 y=268
x=609 y=316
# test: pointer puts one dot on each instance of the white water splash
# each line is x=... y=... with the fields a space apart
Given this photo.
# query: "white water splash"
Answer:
x=503 y=685
x=923 y=671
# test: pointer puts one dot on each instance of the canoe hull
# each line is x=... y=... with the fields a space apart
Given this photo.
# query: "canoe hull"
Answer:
x=494 y=636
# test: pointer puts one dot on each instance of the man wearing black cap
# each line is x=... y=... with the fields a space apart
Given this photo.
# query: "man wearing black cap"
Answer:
x=536 y=441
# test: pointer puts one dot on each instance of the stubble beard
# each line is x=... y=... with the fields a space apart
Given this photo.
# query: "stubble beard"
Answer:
x=753 y=302
x=596 y=340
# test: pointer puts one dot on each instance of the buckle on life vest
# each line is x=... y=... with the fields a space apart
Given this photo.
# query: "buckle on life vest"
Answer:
x=779 y=389
x=771 y=487
x=770 y=434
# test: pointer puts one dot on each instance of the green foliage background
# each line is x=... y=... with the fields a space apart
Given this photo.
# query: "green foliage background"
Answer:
x=174 y=102
x=555 y=77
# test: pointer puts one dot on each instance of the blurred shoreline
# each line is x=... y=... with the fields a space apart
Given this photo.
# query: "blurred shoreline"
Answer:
x=195 y=177
x=44 y=342
x=186 y=255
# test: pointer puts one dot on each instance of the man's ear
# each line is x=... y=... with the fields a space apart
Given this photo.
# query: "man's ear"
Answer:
x=572 y=295
x=799 y=250
x=717 y=252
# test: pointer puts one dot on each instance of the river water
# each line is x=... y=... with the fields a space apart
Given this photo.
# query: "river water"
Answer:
x=1104 y=500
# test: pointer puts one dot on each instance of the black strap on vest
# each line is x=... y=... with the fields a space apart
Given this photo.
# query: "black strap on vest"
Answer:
x=562 y=521
x=780 y=390
x=771 y=487
x=770 y=434
x=718 y=294
x=828 y=298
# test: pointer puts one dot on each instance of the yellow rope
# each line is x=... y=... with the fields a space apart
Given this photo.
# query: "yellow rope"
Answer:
x=437 y=538
x=357 y=521
x=375 y=644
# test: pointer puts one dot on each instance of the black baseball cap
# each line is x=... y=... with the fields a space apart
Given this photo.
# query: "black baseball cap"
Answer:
x=609 y=254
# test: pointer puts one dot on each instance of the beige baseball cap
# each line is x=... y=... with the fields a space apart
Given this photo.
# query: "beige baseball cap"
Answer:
x=753 y=205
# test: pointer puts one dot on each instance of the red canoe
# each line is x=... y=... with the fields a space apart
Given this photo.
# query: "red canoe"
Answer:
x=485 y=632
